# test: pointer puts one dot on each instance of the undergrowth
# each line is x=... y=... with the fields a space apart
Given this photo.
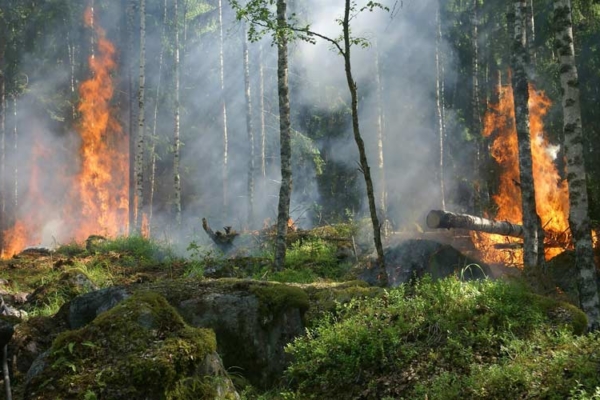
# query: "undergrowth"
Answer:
x=448 y=340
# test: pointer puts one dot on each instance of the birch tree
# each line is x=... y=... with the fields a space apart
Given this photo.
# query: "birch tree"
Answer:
x=153 y=138
x=257 y=12
x=533 y=251
x=261 y=21
x=249 y=128
x=285 y=191
x=223 y=109
x=579 y=220
x=176 y=134
x=139 y=151
x=439 y=100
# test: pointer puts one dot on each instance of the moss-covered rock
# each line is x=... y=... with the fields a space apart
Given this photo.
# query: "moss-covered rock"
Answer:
x=253 y=321
x=140 y=349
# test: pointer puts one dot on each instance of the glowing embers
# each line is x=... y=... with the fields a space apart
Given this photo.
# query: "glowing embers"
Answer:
x=551 y=192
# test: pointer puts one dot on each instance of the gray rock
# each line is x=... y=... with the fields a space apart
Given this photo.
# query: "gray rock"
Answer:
x=85 y=308
x=415 y=258
x=253 y=322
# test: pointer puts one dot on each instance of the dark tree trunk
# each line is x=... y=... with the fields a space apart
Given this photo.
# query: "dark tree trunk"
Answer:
x=364 y=164
x=533 y=252
x=285 y=190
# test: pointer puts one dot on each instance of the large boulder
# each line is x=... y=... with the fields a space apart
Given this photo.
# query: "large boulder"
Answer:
x=140 y=349
x=415 y=258
x=253 y=321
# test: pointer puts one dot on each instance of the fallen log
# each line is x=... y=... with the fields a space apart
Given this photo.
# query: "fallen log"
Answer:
x=448 y=220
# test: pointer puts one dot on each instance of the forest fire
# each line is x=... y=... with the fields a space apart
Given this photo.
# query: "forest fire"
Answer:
x=96 y=200
x=551 y=192
x=101 y=189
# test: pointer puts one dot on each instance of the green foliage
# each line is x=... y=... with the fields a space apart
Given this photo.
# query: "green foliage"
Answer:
x=138 y=247
x=447 y=340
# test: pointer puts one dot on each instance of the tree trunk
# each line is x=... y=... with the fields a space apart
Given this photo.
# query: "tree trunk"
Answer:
x=285 y=190
x=533 y=252
x=2 y=155
x=152 y=171
x=439 y=100
x=139 y=151
x=381 y=143
x=130 y=100
x=437 y=219
x=176 y=138
x=579 y=220
x=263 y=130
x=250 y=129
x=364 y=164
x=223 y=109
x=530 y=23
x=15 y=190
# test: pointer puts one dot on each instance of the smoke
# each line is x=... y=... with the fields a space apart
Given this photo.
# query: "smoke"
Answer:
x=403 y=40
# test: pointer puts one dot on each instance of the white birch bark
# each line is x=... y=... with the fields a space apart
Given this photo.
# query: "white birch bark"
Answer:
x=223 y=110
x=176 y=135
x=250 y=130
x=139 y=151
x=579 y=219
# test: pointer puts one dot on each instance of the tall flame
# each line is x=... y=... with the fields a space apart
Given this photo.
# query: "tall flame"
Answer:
x=552 y=197
x=97 y=196
x=102 y=184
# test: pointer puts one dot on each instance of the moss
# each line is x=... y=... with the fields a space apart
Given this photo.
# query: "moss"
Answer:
x=275 y=298
x=562 y=313
x=324 y=297
x=139 y=349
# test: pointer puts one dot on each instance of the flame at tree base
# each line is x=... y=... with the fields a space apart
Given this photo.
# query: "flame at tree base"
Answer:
x=552 y=196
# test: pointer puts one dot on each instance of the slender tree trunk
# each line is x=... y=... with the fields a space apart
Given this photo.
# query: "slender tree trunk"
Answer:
x=530 y=23
x=263 y=130
x=130 y=100
x=533 y=252
x=2 y=156
x=223 y=109
x=285 y=190
x=155 y=121
x=250 y=129
x=481 y=189
x=381 y=143
x=439 y=100
x=73 y=89
x=364 y=164
x=177 y=141
x=579 y=219
x=15 y=203
x=139 y=151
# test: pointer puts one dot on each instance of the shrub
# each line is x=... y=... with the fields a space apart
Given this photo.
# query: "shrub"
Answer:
x=447 y=340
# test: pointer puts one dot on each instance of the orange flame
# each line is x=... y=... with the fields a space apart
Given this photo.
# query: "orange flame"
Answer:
x=102 y=184
x=97 y=201
x=552 y=197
